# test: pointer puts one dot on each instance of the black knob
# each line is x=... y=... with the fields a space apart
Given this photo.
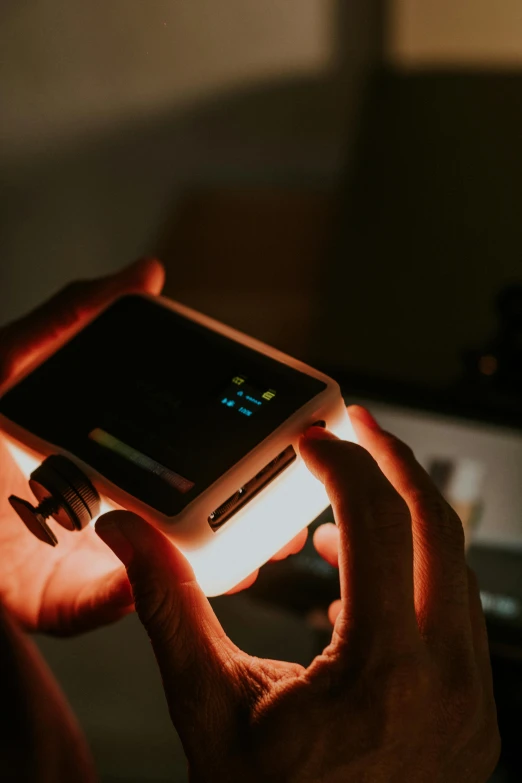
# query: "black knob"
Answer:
x=63 y=492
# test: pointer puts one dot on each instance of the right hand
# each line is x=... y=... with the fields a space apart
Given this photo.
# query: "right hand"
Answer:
x=402 y=693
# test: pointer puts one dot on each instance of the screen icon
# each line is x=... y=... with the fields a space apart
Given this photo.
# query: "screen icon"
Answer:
x=269 y=395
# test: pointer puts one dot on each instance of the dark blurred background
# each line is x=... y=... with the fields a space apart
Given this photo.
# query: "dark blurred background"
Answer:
x=341 y=178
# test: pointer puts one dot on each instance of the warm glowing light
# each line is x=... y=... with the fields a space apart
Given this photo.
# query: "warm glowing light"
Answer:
x=105 y=506
x=256 y=532
x=264 y=526
x=25 y=461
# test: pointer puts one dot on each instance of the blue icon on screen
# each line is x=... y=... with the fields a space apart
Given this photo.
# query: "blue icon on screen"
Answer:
x=240 y=393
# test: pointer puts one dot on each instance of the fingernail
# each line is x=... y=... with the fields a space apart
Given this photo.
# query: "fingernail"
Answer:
x=108 y=529
x=364 y=416
x=319 y=433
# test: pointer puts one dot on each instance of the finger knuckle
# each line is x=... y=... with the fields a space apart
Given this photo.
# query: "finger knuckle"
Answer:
x=73 y=297
x=429 y=503
x=401 y=687
x=342 y=458
x=406 y=685
x=432 y=510
x=391 y=532
x=389 y=510
x=462 y=703
x=397 y=449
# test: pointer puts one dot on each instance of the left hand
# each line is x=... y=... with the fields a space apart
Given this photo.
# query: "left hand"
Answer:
x=79 y=584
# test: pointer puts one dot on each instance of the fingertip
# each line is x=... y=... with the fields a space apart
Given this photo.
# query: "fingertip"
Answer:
x=245 y=583
x=334 y=610
x=316 y=433
x=293 y=547
x=311 y=444
x=328 y=531
x=326 y=542
x=147 y=274
x=113 y=528
x=135 y=541
x=137 y=531
x=362 y=416
x=117 y=519
x=154 y=275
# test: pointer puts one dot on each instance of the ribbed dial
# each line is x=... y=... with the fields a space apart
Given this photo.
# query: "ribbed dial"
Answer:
x=61 y=479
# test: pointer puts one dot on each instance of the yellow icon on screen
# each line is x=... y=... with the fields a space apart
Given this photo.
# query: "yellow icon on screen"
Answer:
x=269 y=395
x=238 y=380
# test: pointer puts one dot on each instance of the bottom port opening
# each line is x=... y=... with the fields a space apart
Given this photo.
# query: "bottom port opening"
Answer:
x=251 y=488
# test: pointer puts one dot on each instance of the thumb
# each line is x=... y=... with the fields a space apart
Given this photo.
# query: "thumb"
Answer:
x=190 y=645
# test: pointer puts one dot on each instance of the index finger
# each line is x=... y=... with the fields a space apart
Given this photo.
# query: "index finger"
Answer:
x=376 y=550
x=441 y=581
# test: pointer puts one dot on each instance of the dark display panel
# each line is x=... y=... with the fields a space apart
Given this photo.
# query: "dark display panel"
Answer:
x=156 y=403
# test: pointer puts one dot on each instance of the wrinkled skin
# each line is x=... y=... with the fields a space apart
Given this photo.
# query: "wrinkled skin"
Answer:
x=402 y=693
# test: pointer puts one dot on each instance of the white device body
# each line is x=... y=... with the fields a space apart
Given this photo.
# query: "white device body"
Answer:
x=258 y=530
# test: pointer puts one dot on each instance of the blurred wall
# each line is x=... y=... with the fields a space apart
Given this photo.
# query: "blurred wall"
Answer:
x=111 y=111
x=430 y=229
x=467 y=33
x=69 y=67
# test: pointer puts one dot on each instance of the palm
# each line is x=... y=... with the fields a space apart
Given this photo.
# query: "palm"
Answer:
x=79 y=584
x=54 y=587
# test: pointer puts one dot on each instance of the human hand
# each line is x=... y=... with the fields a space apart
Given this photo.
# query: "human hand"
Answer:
x=402 y=693
x=79 y=584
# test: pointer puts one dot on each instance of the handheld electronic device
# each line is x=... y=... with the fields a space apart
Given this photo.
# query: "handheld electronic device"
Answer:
x=181 y=419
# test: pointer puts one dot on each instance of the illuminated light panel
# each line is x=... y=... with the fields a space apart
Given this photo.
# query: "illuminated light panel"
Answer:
x=25 y=461
x=105 y=506
x=257 y=531
x=264 y=526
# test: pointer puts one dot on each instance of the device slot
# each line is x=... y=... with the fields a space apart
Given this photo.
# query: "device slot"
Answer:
x=245 y=493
